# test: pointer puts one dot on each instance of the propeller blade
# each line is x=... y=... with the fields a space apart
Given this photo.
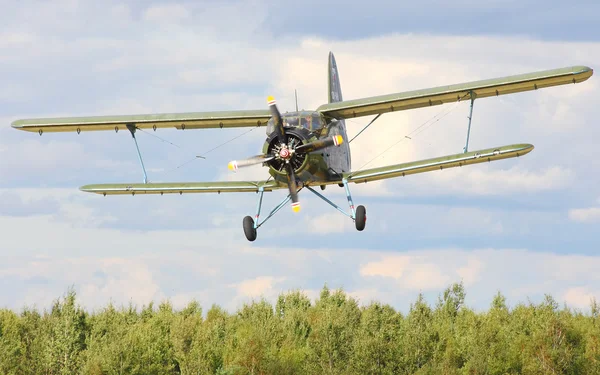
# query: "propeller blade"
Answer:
x=277 y=121
x=336 y=140
x=235 y=164
x=291 y=178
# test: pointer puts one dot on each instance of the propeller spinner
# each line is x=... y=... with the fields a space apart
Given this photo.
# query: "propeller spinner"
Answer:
x=285 y=152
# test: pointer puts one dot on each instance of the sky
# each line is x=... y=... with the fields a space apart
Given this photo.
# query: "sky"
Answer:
x=524 y=227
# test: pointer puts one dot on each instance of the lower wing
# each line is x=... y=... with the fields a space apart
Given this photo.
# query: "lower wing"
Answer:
x=183 y=187
x=450 y=161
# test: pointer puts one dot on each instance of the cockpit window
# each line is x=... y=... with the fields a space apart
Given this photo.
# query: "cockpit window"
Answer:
x=312 y=121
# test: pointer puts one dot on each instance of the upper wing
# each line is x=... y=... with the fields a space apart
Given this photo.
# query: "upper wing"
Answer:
x=457 y=160
x=446 y=94
x=191 y=120
x=182 y=187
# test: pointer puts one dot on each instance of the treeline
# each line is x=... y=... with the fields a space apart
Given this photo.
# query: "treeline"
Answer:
x=333 y=335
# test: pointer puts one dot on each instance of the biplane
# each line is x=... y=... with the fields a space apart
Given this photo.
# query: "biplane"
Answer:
x=309 y=149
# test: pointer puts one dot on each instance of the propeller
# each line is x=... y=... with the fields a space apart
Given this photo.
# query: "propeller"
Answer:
x=286 y=152
x=235 y=164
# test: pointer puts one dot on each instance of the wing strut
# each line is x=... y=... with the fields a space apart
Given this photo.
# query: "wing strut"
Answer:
x=365 y=128
x=132 y=129
x=472 y=96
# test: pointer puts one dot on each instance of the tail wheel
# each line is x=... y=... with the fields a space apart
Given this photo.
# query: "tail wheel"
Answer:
x=249 y=229
x=361 y=218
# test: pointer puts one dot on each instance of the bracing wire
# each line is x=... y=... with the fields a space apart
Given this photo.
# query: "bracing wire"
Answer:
x=160 y=138
x=440 y=115
x=196 y=157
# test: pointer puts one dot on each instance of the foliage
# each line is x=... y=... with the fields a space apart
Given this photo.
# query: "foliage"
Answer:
x=332 y=335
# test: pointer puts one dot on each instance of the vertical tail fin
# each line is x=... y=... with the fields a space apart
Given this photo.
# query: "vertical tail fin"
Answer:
x=335 y=91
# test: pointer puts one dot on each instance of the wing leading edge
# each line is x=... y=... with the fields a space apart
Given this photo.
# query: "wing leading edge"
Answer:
x=182 y=187
x=190 y=120
x=440 y=163
x=453 y=93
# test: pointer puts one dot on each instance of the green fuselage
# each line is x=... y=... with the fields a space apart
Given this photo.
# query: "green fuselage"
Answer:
x=319 y=166
x=325 y=165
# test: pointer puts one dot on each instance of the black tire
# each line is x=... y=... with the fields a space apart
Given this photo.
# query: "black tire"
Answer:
x=249 y=230
x=361 y=218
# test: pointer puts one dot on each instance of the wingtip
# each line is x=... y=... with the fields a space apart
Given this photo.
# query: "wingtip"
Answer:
x=87 y=189
x=18 y=124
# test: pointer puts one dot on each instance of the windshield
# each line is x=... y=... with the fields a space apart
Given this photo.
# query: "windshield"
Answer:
x=312 y=121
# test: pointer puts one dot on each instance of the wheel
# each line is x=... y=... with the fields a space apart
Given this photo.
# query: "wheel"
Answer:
x=249 y=229
x=361 y=218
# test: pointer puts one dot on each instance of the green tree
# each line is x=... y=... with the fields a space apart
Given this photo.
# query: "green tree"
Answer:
x=375 y=344
x=334 y=320
x=67 y=332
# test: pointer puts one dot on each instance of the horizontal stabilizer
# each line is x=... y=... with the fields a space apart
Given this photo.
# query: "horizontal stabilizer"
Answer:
x=181 y=187
x=451 y=161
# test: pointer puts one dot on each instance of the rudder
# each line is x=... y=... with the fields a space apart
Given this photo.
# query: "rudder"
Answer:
x=335 y=90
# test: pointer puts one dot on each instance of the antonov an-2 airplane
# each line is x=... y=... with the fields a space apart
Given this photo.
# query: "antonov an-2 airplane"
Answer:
x=305 y=149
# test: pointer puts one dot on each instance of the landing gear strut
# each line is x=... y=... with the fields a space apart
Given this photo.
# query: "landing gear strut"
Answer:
x=359 y=216
x=251 y=225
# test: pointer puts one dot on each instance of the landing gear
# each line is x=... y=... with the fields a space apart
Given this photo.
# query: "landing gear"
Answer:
x=251 y=225
x=358 y=215
x=361 y=218
x=249 y=229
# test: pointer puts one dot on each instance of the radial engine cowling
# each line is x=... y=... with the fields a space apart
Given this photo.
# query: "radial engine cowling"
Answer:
x=295 y=138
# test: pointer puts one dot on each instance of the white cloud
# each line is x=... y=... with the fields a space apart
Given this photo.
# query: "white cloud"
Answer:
x=171 y=13
x=390 y=266
x=471 y=272
x=580 y=297
x=257 y=287
x=328 y=223
x=412 y=273
x=485 y=180
x=585 y=215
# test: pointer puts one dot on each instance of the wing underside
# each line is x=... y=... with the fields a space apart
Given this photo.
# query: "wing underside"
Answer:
x=453 y=93
x=440 y=163
x=182 y=187
x=191 y=120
